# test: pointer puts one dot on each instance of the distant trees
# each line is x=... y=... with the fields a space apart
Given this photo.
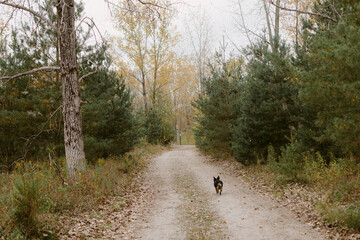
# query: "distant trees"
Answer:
x=149 y=63
x=146 y=49
x=199 y=32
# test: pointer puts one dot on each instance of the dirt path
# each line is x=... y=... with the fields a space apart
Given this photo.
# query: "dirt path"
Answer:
x=182 y=204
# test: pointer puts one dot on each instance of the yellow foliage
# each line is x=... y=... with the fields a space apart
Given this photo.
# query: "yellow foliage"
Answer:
x=288 y=19
x=100 y=161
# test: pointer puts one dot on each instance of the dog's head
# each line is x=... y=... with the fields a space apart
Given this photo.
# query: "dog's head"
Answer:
x=216 y=180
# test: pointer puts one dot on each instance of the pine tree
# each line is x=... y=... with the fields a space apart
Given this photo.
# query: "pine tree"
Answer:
x=330 y=85
x=108 y=122
x=157 y=127
x=265 y=106
x=215 y=106
x=27 y=103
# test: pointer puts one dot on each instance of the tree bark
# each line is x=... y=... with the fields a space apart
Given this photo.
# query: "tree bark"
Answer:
x=143 y=83
x=267 y=14
x=277 y=20
x=74 y=146
x=277 y=26
x=297 y=28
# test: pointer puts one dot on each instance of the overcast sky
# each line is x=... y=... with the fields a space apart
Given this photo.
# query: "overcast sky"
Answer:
x=220 y=14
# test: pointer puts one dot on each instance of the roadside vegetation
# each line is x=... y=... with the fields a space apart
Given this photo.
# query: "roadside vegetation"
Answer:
x=36 y=194
x=290 y=112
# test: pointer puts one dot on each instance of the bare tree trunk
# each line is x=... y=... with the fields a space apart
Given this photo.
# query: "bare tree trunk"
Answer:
x=277 y=19
x=297 y=28
x=277 y=25
x=267 y=14
x=154 y=90
x=74 y=146
x=143 y=83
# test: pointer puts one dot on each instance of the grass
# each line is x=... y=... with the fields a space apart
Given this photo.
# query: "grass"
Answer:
x=33 y=196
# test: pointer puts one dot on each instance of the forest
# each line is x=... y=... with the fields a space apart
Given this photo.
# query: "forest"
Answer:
x=81 y=113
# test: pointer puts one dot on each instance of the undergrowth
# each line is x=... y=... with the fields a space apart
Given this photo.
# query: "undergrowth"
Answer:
x=34 y=195
x=336 y=181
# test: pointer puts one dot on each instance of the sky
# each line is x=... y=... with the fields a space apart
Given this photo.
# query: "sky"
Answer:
x=220 y=15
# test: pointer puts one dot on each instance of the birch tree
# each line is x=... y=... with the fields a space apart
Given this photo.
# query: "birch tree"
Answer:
x=135 y=27
x=147 y=42
x=162 y=55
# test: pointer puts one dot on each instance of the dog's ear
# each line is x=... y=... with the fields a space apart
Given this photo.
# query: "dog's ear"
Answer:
x=218 y=178
x=214 y=178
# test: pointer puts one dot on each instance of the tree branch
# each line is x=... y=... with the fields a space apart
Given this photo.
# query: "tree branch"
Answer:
x=172 y=91
x=304 y=12
x=30 y=11
x=7 y=22
x=118 y=6
x=94 y=25
x=243 y=23
x=87 y=75
x=47 y=68
x=31 y=139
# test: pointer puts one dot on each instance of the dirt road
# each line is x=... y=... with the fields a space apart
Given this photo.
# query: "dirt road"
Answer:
x=183 y=205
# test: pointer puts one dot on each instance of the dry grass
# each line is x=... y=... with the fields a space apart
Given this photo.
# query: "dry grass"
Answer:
x=108 y=177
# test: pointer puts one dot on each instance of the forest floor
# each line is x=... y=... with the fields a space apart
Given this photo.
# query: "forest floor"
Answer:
x=174 y=198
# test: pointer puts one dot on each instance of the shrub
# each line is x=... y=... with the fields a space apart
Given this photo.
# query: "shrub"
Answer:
x=26 y=203
x=340 y=214
x=290 y=164
x=157 y=129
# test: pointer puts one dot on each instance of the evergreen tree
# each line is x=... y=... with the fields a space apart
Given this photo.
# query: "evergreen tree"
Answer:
x=27 y=103
x=215 y=105
x=108 y=122
x=157 y=127
x=266 y=104
x=330 y=86
x=153 y=126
